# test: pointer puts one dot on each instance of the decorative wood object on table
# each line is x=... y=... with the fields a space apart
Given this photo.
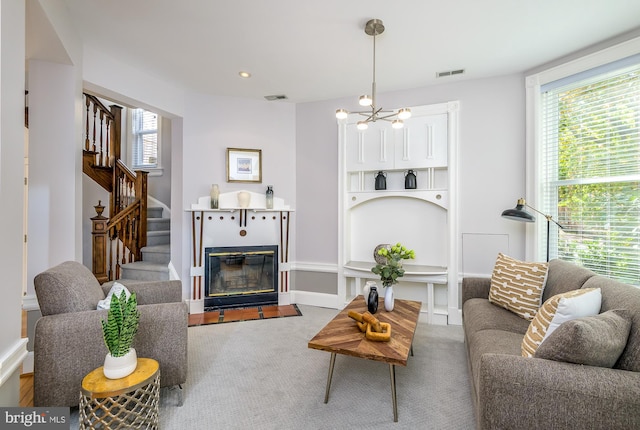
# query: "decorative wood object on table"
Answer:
x=342 y=336
x=130 y=402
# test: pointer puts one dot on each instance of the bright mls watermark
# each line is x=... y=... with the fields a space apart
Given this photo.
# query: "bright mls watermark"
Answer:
x=34 y=418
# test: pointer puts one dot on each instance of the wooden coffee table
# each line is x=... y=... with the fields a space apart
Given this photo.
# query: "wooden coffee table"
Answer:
x=342 y=336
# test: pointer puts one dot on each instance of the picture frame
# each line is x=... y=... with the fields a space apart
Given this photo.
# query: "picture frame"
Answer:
x=244 y=165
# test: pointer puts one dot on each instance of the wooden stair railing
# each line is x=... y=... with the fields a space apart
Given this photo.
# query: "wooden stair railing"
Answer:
x=125 y=230
x=123 y=233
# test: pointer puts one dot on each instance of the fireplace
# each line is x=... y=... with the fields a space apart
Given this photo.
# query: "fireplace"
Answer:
x=237 y=276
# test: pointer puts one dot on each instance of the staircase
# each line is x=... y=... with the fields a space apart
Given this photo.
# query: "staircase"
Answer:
x=132 y=242
x=156 y=255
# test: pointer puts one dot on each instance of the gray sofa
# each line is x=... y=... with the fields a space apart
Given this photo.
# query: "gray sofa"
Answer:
x=68 y=340
x=513 y=392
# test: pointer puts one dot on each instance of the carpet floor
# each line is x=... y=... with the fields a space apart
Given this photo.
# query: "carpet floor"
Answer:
x=261 y=375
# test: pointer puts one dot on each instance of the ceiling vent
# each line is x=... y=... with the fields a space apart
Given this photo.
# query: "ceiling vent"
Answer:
x=276 y=97
x=449 y=73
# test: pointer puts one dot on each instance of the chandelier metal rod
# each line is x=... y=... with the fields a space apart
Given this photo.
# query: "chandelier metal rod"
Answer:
x=373 y=84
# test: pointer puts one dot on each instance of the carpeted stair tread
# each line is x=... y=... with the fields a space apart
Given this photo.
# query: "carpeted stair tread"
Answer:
x=158 y=224
x=158 y=237
x=154 y=212
x=157 y=248
x=146 y=265
x=145 y=271
x=157 y=253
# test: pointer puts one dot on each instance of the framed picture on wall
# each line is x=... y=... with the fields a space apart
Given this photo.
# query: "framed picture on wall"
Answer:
x=244 y=165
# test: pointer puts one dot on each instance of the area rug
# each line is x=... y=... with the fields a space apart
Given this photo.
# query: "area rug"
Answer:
x=262 y=375
x=244 y=314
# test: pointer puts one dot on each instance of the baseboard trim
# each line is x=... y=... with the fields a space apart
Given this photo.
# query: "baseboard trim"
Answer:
x=11 y=360
x=27 y=364
x=310 y=298
x=305 y=266
x=30 y=303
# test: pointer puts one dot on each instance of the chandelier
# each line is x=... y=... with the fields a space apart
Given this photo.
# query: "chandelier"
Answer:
x=374 y=27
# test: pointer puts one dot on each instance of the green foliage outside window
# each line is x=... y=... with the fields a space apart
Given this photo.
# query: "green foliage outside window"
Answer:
x=598 y=190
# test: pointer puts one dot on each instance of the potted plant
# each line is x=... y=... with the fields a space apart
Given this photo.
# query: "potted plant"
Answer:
x=391 y=269
x=118 y=331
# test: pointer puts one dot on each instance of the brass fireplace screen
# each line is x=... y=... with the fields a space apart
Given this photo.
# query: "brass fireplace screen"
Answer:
x=241 y=276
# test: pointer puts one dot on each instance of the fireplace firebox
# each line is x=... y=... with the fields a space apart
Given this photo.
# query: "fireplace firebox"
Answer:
x=240 y=276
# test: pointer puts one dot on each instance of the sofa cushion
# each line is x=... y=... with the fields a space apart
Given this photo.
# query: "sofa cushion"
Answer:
x=67 y=287
x=517 y=285
x=557 y=310
x=480 y=314
x=593 y=341
x=564 y=276
x=490 y=341
x=617 y=295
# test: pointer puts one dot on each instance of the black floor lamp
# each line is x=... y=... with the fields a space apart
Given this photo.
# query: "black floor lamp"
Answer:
x=519 y=213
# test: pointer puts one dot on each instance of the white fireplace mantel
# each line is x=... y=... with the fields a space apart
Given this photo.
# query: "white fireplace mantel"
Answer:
x=233 y=226
x=229 y=202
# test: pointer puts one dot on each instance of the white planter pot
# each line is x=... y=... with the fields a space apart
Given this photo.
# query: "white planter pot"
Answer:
x=119 y=367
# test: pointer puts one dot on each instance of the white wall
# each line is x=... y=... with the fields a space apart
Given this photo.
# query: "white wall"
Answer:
x=55 y=169
x=213 y=124
x=491 y=160
x=12 y=46
x=300 y=158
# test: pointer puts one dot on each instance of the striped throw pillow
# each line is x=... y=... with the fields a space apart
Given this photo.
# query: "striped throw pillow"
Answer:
x=518 y=285
x=556 y=310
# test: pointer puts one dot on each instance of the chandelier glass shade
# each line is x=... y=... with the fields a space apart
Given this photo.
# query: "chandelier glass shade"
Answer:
x=373 y=28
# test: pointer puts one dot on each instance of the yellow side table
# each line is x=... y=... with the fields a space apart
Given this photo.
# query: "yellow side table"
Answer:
x=126 y=403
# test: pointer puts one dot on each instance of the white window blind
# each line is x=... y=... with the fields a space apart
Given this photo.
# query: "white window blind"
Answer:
x=145 y=139
x=590 y=170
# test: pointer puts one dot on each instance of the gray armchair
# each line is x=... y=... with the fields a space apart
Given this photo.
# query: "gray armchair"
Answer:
x=68 y=341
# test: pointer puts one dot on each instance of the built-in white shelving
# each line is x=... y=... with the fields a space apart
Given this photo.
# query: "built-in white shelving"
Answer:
x=423 y=219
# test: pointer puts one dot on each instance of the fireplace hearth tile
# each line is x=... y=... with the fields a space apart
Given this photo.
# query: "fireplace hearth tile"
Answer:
x=279 y=311
x=243 y=314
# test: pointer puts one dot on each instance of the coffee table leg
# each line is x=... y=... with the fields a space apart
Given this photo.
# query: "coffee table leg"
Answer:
x=331 y=364
x=392 y=371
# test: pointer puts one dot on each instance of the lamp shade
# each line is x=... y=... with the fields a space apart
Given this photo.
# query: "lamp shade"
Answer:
x=518 y=213
x=365 y=100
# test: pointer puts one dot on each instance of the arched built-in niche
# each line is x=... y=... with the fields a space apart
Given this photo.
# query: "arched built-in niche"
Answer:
x=423 y=218
x=419 y=225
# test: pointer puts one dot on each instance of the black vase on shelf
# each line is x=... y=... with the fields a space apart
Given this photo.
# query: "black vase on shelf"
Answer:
x=372 y=302
x=410 y=182
x=381 y=180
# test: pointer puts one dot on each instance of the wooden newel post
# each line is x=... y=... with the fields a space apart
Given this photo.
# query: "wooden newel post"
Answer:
x=141 y=193
x=99 y=244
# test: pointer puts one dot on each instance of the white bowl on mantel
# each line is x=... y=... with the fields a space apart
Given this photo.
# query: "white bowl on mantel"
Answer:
x=119 y=367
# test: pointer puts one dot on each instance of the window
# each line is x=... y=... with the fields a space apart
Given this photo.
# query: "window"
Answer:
x=145 y=139
x=589 y=168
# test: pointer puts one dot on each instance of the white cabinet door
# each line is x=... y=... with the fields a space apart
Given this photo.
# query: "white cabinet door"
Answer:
x=422 y=143
x=370 y=149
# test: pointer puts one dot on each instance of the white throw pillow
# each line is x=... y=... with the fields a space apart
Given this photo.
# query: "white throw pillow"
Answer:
x=584 y=305
x=557 y=310
x=116 y=289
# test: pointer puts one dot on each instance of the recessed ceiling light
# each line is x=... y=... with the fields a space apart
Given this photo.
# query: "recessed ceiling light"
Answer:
x=245 y=75
x=276 y=97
